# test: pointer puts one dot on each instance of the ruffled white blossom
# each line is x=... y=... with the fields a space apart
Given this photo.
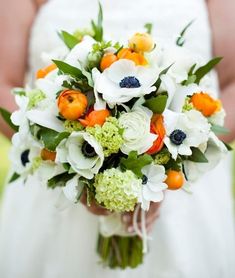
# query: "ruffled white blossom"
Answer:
x=71 y=151
x=137 y=135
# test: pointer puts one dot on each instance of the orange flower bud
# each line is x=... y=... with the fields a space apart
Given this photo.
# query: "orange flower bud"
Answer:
x=141 y=42
x=157 y=127
x=72 y=104
x=175 y=180
x=95 y=118
x=48 y=155
x=137 y=58
x=204 y=103
x=43 y=72
x=107 y=60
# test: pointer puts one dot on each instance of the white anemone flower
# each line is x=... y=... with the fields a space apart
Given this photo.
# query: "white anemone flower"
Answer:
x=218 y=118
x=123 y=80
x=78 y=55
x=215 y=151
x=185 y=130
x=137 y=135
x=18 y=117
x=23 y=152
x=181 y=60
x=73 y=189
x=82 y=152
x=153 y=185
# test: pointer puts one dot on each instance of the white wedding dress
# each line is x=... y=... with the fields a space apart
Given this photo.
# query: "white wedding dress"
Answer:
x=194 y=236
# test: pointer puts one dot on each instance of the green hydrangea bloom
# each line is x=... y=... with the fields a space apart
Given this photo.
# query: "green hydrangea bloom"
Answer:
x=35 y=96
x=109 y=135
x=71 y=126
x=80 y=33
x=117 y=190
x=36 y=163
x=162 y=158
x=187 y=105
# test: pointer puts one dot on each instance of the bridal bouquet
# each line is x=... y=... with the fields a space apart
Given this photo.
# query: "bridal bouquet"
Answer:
x=120 y=123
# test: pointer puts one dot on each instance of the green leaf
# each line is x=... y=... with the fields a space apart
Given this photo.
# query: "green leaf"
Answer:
x=69 y=40
x=229 y=147
x=6 y=115
x=135 y=163
x=202 y=71
x=98 y=27
x=181 y=41
x=51 y=138
x=197 y=156
x=149 y=28
x=14 y=177
x=68 y=69
x=217 y=129
x=157 y=104
x=59 y=180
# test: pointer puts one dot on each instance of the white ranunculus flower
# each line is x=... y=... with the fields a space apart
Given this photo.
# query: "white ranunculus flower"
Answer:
x=78 y=55
x=185 y=130
x=215 y=151
x=123 y=80
x=153 y=185
x=82 y=152
x=137 y=135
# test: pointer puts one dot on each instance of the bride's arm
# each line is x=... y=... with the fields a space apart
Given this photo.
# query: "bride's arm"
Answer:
x=16 y=18
x=223 y=26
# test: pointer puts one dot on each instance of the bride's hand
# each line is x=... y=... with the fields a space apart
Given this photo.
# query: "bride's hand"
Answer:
x=151 y=215
x=94 y=208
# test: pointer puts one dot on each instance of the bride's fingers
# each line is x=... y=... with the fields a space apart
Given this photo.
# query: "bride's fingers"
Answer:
x=94 y=208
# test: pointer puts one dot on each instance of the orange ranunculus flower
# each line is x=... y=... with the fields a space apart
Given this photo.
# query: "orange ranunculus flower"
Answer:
x=72 y=104
x=107 y=60
x=204 y=103
x=48 y=155
x=43 y=72
x=141 y=42
x=137 y=58
x=157 y=127
x=95 y=118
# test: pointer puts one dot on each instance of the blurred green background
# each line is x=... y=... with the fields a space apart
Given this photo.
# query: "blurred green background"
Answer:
x=4 y=163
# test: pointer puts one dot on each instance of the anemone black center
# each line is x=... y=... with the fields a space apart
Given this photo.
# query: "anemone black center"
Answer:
x=144 y=179
x=88 y=150
x=177 y=137
x=130 y=82
x=24 y=157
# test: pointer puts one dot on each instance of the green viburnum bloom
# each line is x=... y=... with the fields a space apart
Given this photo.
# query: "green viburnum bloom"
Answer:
x=162 y=158
x=36 y=163
x=109 y=135
x=118 y=191
x=80 y=33
x=187 y=105
x=35 y=96
x=71 y=126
